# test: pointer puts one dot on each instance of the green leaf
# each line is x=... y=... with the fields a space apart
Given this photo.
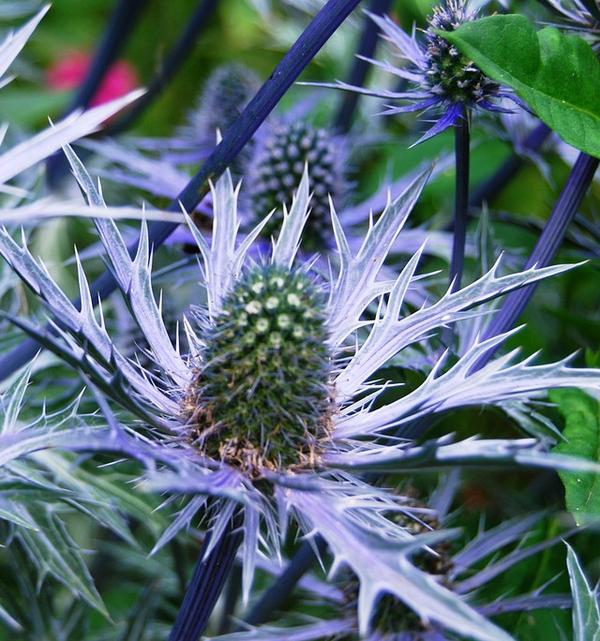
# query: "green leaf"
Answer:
x=555 y=74
x=582 y=438
x=586 y=609
x=52 y=551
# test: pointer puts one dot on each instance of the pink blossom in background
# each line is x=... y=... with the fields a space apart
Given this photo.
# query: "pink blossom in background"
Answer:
x=69 y=71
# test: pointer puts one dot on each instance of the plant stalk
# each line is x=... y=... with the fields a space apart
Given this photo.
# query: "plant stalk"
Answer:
x=461 y=199
x=562 y=214
x=210 y=575
x=360 y=68
x=277 y=595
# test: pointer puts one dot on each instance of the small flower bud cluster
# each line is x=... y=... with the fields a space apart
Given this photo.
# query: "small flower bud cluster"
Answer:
x=279 y=167
x=226 y=92
x=261 y=400
x=451 y=75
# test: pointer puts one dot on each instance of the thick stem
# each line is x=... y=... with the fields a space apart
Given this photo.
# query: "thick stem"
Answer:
x=278 y=594
x=175 y=58
x=210 y=575
x=360 y=68
x=461 y=199
x=546 y=247
x=297 y=58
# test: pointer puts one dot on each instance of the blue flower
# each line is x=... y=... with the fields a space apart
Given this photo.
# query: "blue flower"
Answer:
x=439 y=77
x=455 y=564
x=269 y=402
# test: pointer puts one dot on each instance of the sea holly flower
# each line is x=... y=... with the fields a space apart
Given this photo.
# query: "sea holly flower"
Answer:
x=267 y=406
x=439 y=77
x=225 y=93
x=161 y=165
x=278 y=166
x=271 y=178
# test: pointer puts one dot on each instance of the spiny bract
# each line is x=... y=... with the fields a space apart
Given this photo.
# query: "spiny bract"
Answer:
x=280 y=164
x=261 y=399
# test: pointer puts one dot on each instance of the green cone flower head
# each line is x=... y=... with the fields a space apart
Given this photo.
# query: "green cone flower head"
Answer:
x=278 y=171
x=261 y=399
x=450 y=74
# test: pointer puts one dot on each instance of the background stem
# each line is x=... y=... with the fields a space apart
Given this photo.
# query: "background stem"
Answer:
x=367 y=46
x=545 y=249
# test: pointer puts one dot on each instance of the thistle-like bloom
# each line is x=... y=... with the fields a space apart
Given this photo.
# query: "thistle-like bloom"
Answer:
x=440 y=78
x=277 y=169
x=225 y=94
x=161 y=166
x=269 y=404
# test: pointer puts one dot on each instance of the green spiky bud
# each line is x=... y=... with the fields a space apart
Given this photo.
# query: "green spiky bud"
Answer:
x=451 y=74
x=262 y=398
x=226 y=92
x=278 y=171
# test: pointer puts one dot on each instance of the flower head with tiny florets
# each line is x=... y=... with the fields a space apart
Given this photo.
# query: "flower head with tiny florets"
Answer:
x=261 y=398
x=451 y=75
x=439 y=77
x=278 y=168
x=222 y=414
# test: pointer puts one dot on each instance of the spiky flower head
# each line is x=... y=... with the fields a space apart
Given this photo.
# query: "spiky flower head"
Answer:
x=450 y=74
x=278 y=169
x=261 y=398
x=336 y=352
x=439 y=77
x=226 y=92
x=444 y=560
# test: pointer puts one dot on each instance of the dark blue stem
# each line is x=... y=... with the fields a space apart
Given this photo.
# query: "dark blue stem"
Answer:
x=360 y=68
x=207 y=582
x=546 y=247
x=461 y=198
x=302 y=52
x=176 y=57
x=118 y=30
